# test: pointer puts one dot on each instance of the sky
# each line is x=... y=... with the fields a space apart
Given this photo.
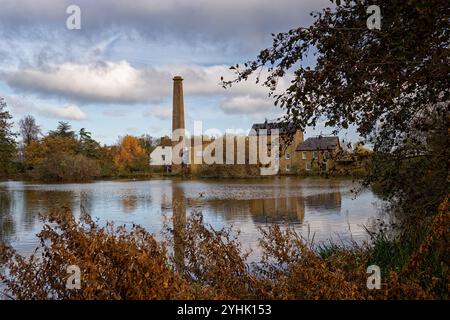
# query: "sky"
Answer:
x=114 y=75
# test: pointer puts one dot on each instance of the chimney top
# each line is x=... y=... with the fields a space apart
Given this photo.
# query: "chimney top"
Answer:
x=177 y=78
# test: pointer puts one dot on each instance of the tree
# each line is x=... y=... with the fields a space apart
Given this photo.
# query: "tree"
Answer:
x=362 y=77
x=29 y=130
x=7 y=140
x=58 y=158
x=148 y=142
x=88 y=146
x=64 y=167
x=39 y=151
x=64 y=130
x=62 y=140
x=392 y=84
x=130 y=156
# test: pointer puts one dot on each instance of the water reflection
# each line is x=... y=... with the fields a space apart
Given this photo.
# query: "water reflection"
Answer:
x=324 y=206
x=87 y=201
x=129 y=203
x=278 y=210
x=327 y=202
x=179 y=224
x=6 y=221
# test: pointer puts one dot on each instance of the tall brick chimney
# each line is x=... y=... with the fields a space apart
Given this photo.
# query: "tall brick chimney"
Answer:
x=178 y=118
x=178 y=104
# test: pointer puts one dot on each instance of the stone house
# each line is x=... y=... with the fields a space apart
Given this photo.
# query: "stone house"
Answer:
x=287 y=157
x=317 y=154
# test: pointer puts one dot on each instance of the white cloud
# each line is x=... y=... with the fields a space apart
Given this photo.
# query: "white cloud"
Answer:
x=162 y=113
x=69 y=112
x=115 y=113
x=20 y=105
x=121 y=83
x=132 y=130
x=99 y=82
x=248 y=105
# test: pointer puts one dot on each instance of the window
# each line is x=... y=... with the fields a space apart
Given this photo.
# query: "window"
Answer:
x=326 y=155
x=315 y=155
x=163 y=157
x=304 y=155
x=308 y=166
x=288 y=168
x=287 y=156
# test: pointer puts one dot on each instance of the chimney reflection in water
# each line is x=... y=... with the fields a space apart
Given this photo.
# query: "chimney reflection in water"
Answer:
x=179 y=224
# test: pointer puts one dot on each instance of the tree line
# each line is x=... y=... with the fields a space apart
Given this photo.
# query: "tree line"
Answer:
x=66 y=155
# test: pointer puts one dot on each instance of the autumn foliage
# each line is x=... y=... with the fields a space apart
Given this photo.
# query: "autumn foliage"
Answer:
x=129 y=263
x=56 y=158
x=66 y=156
x=129 y=155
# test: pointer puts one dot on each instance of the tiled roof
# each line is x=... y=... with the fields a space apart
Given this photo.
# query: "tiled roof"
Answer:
x=165 y=142
x=319 y=143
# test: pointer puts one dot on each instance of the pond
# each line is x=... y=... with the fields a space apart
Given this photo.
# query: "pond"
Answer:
x=323 y=208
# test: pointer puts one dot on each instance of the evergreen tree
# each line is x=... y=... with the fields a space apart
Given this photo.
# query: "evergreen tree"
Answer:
x=64 y=130
x=88 y=146
x=7 y=140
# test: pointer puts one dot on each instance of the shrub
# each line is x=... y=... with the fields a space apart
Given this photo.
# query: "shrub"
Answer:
x=62 y=167
x=229 y=171
x=115 y=263
x=121 y=263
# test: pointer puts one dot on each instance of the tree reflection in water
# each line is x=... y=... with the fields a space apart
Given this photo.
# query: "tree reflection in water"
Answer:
x=7 y=225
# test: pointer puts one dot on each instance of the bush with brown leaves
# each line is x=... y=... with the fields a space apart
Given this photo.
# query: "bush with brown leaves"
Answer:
x=129 y=263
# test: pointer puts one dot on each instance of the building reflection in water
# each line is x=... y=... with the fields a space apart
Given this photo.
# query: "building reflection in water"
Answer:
x=290 y=209
x=278 y=209
x=326 y=202
x=179 y=224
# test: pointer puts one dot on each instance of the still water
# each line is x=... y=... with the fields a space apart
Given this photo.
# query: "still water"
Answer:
x=325 y=208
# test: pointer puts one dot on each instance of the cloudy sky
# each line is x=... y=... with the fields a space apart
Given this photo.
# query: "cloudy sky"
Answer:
x=114 y=76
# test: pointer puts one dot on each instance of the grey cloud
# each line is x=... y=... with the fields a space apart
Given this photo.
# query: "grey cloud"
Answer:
x=248 y=23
